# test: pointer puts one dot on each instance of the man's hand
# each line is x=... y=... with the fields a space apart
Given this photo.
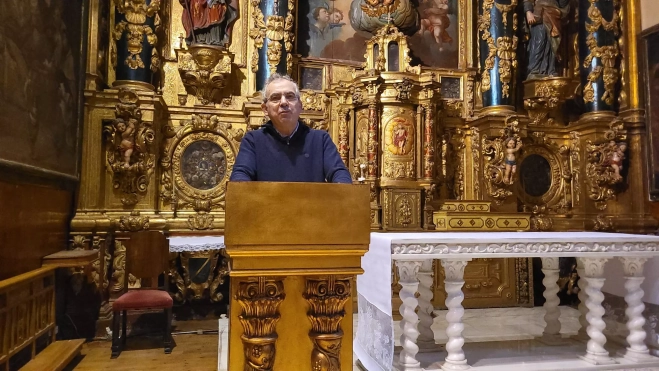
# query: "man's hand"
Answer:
x=530 y=18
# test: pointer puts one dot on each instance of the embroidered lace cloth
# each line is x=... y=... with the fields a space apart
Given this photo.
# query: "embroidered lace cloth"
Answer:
x=189 y=244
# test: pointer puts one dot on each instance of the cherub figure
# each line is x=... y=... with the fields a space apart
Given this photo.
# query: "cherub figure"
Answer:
x=615 y=156
x=127 y=138
x=436 y=21
x=513 y=145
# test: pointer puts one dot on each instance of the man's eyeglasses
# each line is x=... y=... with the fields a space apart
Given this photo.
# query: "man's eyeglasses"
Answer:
x=289 y=97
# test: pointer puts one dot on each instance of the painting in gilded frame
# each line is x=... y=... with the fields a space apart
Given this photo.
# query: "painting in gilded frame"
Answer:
x=325 y=31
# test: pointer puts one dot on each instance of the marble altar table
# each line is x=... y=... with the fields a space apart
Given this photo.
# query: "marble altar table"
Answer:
x=413 y=254
x=198 y=266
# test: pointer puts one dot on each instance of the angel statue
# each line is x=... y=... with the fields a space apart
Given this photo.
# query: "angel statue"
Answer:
x=513 y=145
x=545 y=22
x=208 y=22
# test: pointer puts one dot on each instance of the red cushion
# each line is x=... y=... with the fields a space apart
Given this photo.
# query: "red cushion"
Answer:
x=143 y=299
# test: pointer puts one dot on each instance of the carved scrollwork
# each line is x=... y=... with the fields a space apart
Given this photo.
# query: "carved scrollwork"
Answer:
x=129 y=153
x=544 y=96
x=257 y=33
x=327 y=297
x=605 y=164
x=203 y=70
x=133 y=223
x=259 y=300
x=403 y=89
x=501 y=160
x=196 y=165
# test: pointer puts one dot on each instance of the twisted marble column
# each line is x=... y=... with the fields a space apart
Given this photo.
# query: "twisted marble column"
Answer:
x=426 y=340
x=454 y=280
x=637 y=351
x=552 y=331
x=583 y=296
x=593 y=274
x=409 y=281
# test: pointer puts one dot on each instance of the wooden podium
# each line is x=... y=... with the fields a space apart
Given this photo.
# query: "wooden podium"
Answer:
x=295 y=249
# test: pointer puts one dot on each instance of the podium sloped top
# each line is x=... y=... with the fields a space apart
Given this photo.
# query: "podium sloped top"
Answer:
x=278 y=213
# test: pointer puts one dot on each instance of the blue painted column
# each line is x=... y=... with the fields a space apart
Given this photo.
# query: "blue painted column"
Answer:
x=275 y=53
x=134 y=34
x=497 y=26
x=599 y=54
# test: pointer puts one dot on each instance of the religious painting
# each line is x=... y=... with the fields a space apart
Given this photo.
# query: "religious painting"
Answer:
x=651 y=64
x=326 y=30
x=451 y=87
x=399 y=136
x=40 y=69
x=203 y=165
x=311 y=78
x=437 y=41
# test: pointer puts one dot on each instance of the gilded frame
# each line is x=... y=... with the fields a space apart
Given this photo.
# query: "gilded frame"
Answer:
x=555 y=192
x=189 y=193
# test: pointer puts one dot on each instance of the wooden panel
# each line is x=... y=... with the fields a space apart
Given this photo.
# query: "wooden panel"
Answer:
x=297 y=214
x=33 y=223
x=56 y=356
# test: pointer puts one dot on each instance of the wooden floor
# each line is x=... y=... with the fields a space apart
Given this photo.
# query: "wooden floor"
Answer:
x=191 y=352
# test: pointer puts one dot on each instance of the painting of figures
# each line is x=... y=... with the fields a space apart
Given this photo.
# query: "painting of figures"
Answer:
x=325 y=30
x=39 y=75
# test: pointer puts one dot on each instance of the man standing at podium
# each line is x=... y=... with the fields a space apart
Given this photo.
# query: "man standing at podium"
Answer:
x=285 y=149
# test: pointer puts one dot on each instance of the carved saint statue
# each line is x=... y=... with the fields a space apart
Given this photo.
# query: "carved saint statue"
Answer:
x=544 y=18
x=208 y=22
x=512 y=146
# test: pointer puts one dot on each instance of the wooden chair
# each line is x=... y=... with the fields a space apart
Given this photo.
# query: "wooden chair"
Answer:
x=147 y=254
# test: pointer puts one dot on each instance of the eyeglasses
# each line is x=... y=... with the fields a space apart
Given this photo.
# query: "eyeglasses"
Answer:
x=289 y=97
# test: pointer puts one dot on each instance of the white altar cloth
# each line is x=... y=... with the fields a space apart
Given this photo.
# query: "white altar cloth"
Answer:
x=374 y=342
x=195 y=243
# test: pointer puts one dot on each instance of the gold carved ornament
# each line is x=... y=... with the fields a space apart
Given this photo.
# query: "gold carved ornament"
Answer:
x=327 y=297
x=377 y=8
x=136 y=13
x=318 y=102
x=484 y=24
x=604 y=164
x=176 y=189
x=257 y=32
x=289 y=36
x=498 y=174
x=259 y=300
x=428 y=142
x=344 y=148
x=475 y=156
x=546 y=97
x=129 y=153
x=608 y=54
x=399 y=143
x=504 y=48
x=204 y=70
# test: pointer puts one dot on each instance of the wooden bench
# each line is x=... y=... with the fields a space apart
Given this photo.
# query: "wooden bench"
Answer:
x=27 y=314
x=56 y=356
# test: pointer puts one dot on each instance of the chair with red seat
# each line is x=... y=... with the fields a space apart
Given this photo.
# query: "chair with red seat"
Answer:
x=147 y=255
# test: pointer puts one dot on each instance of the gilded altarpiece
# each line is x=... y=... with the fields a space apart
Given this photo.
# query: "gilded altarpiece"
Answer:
x=433 y=109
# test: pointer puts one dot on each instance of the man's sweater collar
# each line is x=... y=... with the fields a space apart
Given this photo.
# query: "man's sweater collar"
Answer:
x=299 y=130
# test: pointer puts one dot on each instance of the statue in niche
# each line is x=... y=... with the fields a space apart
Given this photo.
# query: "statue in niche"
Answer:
x=513 y=145
x=209 y=22
x=544 y=19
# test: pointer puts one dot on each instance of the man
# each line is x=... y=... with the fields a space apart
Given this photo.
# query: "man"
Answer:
x=285 y=149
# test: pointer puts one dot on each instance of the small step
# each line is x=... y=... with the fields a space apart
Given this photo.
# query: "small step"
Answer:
x=56 y=356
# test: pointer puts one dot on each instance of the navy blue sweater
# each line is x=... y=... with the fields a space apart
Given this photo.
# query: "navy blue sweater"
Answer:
x=307 y=156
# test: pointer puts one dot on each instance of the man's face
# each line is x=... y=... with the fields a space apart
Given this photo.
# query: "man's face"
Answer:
x=283 y=105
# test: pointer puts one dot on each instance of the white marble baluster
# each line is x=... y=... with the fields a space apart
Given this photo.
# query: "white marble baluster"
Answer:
x=593 y=273
x=454 y=280
x=409 y=281
x=582 y=335
x=637 y=351
x=426 y=340
x=552 y=331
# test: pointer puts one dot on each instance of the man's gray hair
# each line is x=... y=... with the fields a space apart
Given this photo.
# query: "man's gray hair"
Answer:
x=274 y=77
